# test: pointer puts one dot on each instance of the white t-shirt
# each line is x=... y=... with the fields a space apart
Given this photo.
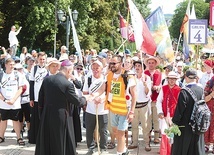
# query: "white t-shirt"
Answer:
x=79 y=78
x=205 y=78
x=141 y=96
x=9 y=87
x=41 y=73
x=91 y=107
x=12 y=38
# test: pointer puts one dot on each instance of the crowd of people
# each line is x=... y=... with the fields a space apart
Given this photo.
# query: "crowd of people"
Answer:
x=120 y=88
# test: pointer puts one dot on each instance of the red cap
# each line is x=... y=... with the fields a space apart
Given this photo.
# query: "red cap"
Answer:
x=209 y=63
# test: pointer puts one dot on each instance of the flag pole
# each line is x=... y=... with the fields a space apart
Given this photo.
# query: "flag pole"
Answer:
x=196 y=61
x=179 y=39
x=75 y=37
x=121 y=45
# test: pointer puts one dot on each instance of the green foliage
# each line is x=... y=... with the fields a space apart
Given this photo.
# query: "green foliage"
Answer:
x=97 y=25
x=173 y=130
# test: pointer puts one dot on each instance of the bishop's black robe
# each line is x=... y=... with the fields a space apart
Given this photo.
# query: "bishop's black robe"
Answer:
x=56 y=132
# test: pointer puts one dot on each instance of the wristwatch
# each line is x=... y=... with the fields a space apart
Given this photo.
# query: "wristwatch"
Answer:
x=4 y=99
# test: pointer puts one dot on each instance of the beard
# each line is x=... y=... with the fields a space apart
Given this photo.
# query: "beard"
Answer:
x=113 y=69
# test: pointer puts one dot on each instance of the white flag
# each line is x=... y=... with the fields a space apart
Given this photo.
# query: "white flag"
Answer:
x=193 y=15
x=75 y=38
x=143 y=38
x=136 y=18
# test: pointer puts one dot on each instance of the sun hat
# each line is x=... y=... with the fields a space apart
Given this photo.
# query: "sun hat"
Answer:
x=52 y=61
x=151 y=58
x=97 y=62
x=18 y=66
x=173 y=75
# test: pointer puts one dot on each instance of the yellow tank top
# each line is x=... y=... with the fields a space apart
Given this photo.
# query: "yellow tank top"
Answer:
x=117 y=88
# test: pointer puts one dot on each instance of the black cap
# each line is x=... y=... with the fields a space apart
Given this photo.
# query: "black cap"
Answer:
x=169 y=67
x=191 y=73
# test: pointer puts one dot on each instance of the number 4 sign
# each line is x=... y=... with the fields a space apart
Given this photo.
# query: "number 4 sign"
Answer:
x=197 y=31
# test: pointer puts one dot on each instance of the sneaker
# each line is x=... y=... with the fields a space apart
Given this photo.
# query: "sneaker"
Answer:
x=206 y=148
x=125 y=153
x=90 y=152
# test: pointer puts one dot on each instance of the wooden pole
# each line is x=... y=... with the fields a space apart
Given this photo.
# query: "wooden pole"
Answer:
x=179 y=39
x=196 y=61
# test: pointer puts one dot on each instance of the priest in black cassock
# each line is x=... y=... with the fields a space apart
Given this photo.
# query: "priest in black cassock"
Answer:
x=188 y=143
x=57 y=98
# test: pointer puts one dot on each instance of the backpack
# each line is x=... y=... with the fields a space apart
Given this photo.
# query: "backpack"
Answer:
x=201 y=115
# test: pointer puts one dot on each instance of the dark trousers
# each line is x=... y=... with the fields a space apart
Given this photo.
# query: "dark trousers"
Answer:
x=90 y=121
x=34 y=124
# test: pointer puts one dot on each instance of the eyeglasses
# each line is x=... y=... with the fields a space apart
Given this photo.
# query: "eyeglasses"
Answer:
x=79 y=69
x=113 y=63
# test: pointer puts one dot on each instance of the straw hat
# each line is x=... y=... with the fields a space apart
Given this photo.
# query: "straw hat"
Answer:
x=173 y=75
x=52 y=61
x=151 y=58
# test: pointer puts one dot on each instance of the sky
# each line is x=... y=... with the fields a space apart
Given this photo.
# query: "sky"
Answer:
x=168 y=6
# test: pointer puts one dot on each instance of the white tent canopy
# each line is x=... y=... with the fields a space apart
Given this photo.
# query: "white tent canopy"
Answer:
x=207 y=50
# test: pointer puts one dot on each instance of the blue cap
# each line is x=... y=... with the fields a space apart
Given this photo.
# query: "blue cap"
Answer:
x=16 y=58
x=127 y=51
x=102 y=55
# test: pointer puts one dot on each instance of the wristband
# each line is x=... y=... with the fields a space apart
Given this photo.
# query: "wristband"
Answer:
x=4 y=99
x=131 y=112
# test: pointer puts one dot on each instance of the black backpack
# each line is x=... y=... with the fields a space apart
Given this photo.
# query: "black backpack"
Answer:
x=201 y=115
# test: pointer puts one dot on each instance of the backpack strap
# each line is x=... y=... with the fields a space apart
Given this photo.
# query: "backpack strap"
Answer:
x=89 y=81
x=1 y=75
x=34 y=70
x=191 y=93
x=17 y=76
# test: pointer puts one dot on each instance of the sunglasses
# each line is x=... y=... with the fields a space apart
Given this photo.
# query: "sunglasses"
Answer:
x=113 y=63
x=79 y=69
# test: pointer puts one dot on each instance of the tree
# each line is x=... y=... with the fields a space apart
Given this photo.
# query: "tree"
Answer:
x=96 y=28
x=201 y=10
